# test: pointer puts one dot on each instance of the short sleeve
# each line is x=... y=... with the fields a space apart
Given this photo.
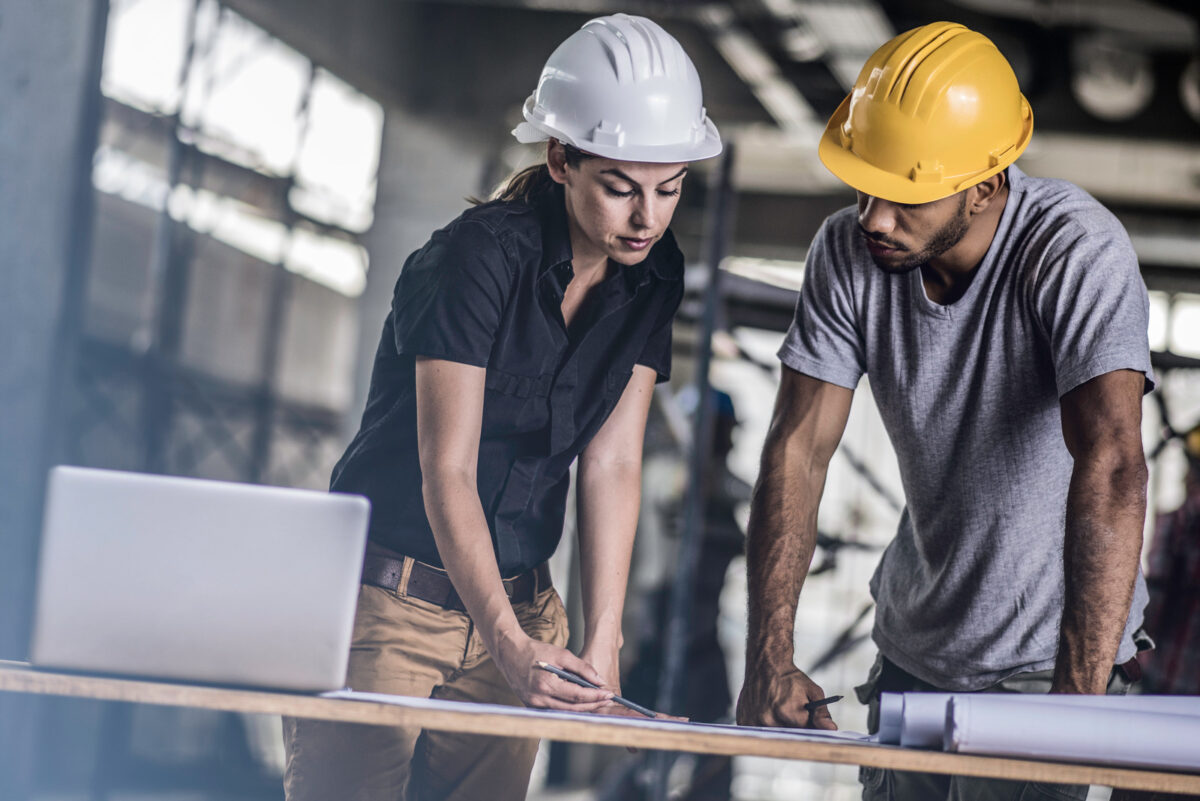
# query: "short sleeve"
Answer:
x=824 y=340
x=657 y=352
x=450 y=298
x=1093 y=308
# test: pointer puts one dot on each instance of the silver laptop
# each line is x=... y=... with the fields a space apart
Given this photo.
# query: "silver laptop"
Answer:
x=196 y=580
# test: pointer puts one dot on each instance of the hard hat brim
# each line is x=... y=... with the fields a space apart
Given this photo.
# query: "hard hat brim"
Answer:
x=869 y=179
x=529 y=132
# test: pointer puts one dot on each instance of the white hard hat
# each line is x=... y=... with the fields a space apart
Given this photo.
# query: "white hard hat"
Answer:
x=621 y=88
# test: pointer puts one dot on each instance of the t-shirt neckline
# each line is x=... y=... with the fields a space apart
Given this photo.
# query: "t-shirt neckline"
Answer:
x=946 y=311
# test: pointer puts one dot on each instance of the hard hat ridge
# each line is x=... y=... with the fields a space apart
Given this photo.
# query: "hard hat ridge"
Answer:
x=623 y=88
x=918 y=51
x=638 y=48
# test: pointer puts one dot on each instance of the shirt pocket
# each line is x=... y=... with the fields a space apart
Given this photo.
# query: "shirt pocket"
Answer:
x=615 y=383
x=515 y=403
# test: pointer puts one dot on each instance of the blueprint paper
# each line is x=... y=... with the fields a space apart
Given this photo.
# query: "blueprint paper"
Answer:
x=1114 y=734
x=819 y=734
x=412 y=702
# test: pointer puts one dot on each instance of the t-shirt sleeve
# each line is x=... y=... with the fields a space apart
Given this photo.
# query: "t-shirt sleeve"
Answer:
x=451 y=295
x=656 y=354
x=824 y=340
x=1094 y=309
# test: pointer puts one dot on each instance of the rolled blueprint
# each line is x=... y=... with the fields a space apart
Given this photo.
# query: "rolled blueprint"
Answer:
x=891 y=712
x=924 y=720
x=1119 y=733
x=914 y=720
x=918 y=720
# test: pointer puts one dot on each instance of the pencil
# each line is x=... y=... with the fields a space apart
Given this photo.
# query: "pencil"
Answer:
x=812 y=706
x=567 y=675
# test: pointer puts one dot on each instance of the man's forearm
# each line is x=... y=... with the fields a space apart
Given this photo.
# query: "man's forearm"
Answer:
x=1106 y=507
x=781 y=538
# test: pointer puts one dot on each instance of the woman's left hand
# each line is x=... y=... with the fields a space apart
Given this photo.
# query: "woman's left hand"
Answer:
x=607 y=663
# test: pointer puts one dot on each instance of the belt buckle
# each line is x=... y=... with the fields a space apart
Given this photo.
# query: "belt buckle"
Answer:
x=514 y=586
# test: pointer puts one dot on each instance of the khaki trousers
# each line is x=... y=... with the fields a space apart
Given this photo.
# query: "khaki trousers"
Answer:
x=406 y=646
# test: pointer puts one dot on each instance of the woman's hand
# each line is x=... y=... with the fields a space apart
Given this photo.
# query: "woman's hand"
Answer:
x=607 y=663
x=517 y=660
x=606 y=660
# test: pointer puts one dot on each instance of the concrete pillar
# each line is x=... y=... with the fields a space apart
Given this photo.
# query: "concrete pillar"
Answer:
x=427 y=168
x=50 y=54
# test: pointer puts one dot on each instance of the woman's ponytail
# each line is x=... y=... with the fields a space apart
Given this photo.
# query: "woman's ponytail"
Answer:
x=530 y=184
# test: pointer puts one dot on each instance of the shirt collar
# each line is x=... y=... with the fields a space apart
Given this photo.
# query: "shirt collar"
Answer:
x=556 y=236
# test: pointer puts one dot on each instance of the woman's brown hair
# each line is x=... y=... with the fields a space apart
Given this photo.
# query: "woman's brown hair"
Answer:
x=527 y=185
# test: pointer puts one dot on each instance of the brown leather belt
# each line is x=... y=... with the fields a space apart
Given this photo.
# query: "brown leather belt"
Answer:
x=1131 y=670
x=433 y=584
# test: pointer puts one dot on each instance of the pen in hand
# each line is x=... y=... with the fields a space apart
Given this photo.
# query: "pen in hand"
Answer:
x=567 y=675
x=813 y=706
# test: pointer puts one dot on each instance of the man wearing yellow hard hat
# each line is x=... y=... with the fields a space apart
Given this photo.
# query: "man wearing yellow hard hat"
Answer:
x=1002 y=322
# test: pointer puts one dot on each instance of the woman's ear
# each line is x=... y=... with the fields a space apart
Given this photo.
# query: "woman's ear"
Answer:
x=556 y=161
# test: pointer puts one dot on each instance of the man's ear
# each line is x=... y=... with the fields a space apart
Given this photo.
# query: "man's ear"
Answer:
x=556 y=161
x=984 y=193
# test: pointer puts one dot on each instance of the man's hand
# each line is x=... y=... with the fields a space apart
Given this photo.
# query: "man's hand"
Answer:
x=778 y=699
x=539 y=688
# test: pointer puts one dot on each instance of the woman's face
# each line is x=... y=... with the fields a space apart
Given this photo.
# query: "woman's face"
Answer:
x=616 y=209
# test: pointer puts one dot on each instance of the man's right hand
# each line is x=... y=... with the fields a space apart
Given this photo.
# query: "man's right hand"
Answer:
x=777 y=698
x=535 y=687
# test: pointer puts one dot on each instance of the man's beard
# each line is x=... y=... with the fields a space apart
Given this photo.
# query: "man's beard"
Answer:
x=942 y=240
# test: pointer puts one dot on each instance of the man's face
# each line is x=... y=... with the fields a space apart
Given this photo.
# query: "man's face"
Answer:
x=902 y=237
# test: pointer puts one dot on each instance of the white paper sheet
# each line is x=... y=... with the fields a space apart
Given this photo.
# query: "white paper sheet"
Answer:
x=1115 y=733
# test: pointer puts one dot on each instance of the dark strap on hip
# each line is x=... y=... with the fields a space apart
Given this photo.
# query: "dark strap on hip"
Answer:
x=432 y=584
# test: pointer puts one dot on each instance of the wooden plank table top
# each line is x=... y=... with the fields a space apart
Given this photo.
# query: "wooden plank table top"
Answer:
x=603 y=730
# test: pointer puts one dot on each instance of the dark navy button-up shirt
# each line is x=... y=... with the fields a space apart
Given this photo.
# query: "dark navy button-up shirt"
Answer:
x=487 y=290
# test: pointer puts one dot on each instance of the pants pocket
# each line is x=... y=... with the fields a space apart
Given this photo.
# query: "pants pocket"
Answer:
x=874 y=783
x=545 y=618
x=1044 y=791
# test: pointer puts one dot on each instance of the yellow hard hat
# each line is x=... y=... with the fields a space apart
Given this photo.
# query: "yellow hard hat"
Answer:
x=934 y=111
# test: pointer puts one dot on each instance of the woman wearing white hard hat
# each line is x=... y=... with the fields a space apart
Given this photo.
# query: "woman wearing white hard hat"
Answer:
x=526 y=334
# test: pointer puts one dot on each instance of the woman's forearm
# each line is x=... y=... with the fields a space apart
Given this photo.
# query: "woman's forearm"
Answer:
x=465 y=545
x=609 y=496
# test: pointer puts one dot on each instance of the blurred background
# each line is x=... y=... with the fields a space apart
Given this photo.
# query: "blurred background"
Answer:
x=204 y=206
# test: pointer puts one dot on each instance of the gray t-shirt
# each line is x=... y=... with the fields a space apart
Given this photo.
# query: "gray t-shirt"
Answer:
x=971 y=589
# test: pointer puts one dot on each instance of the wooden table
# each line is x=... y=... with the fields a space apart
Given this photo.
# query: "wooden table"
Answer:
x=642 y=733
